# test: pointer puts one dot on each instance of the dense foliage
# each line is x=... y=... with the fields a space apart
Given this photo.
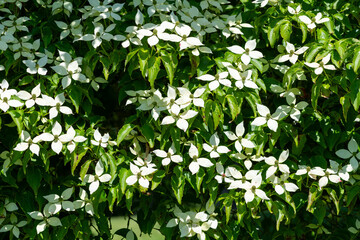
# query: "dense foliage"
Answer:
x=213 y=119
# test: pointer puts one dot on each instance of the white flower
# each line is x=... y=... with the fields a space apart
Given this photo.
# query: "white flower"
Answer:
x=352 y=152
x=291 y=55
x=154 y=34
x=69 y=68
x=266 y=117
x=197 y=162
x=214 y=149
x=241 y=181
x=186 y=97
x=243 y=79
x=57 y=202
x=180 y=119
x=32 y=98
x=311 y=23
x=99 y=34
x=238 y=136
x=27 y=142
x=168 y=156
x=100 y=140
x=331 y=175
x=57 y=105
x=72 y=139
x=215 y=81
x=343 y=172
x=294 y=11
x=248 y=53
x=319 y=67
x=252 y=189
x=99 y=176
x=263 y=3
x=6 y=102
x=36 y=67
x=139 y=175
x=56 y=139
x=223 y=175
x=281 y=184
x=14 y=226
x=248 y=158
x=293 y=109
x=46 y=220
x=277 y=164
x=84 y=202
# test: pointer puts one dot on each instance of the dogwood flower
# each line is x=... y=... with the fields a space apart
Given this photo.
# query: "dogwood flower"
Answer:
x=6 y=102
x=240 y=180
x=99 y=35
x=56 y=202
x=281 y=185
x=277 y=164
x=342 y=172
x=319 y=67
x=27 y=142
x=99 y=176
x=292 y=109
x=248 y=53
x=55 y=137
x=214 y=149
x=248 y=157
x=331 y=175
x=223 y=175
x=240 y=142
x=266 y=117
x=139 y=175
x=311 y=23
x=84 y=202
x=72 y=139
x=291 y=55
x=36 y=67
x=57 y=106
x=294 y=11
x=352 y=152
x=244 y=79
x=252 y=189
x=46 y=220
x=14 y=226
x=197 y=162
x=99 y=139
x=168 y=156
x=32 y=98
x=186 y=97
x=215 y=81
x=180 y=119
x=69 y=68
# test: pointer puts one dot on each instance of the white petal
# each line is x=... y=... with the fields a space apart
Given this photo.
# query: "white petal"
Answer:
x=291 y=187
x=194 y=167
x=271 y=170
x=167 y=120
x=94 y=186
x=249 y=196
x=259 y=121
x=236 y=49
x=344 y=154
x=131 y=180
x=279 y=189
x=272 y=124
x=182 y=124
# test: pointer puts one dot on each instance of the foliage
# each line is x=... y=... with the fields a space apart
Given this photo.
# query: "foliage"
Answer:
x=213 y=119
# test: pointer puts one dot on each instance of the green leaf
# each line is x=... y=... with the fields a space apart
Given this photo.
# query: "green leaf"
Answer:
x=320 y=211
x=217 y=114
x=75 y=95
x=169 y=66
x=129 y=198
x=286 y=30
x=233 y=105
x=46 y=36
x=178 y=183
x=312 y=51
x=315 y=92
x=352 y=194
x=345 y=103
x=123 y=132
x=356 y=60
x=130 y=55
x=84 y=169
x=26 y=80
x=273 y=35
x=303 y=28
x=258 y=64
x=76 y=160
x=123 y=175
x=143 y=55
x=149 y=134
x=18 y=118
x=33 y=177
x=153 y=69
x=105 y=61
x=158 y=176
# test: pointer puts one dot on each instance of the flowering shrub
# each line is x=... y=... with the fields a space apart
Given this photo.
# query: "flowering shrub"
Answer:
x=212 y=119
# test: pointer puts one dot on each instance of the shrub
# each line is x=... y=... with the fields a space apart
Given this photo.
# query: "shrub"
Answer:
x=212 y=119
